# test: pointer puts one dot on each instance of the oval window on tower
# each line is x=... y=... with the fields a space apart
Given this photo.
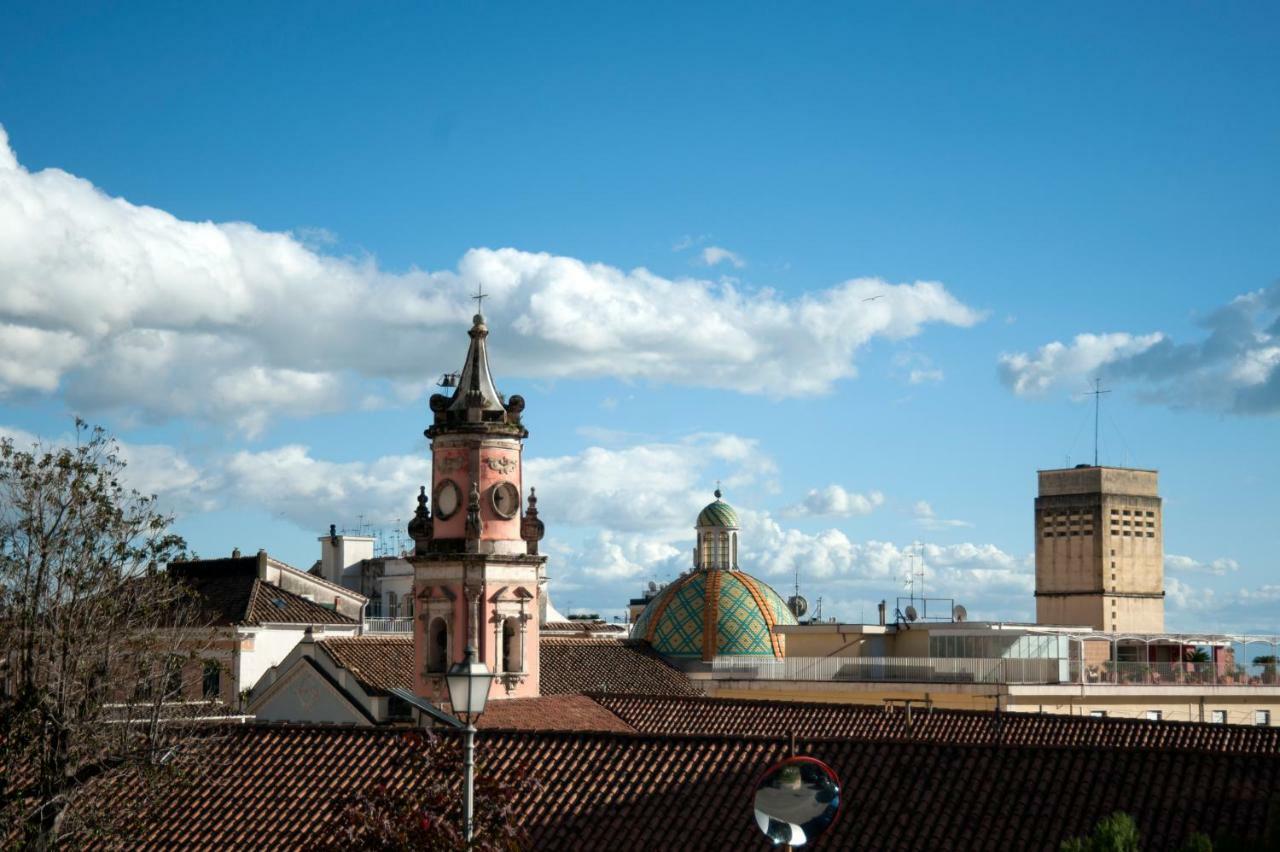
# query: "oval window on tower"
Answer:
x=448 y=499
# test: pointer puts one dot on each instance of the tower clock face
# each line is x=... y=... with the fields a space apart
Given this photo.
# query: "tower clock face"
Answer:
x=506 y=499
x=448 y=498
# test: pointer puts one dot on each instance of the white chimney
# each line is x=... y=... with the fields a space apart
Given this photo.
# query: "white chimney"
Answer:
x=339 y=552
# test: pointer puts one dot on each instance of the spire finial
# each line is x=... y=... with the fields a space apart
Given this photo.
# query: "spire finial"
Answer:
x=480 y=296
x=718 y=494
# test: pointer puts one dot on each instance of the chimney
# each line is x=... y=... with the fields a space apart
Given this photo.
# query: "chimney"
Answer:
x=881 y=608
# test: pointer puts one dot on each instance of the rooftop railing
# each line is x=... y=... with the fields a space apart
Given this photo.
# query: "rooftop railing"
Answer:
x=388 y=625
x=1004 y=670
x=1174 y=674
x=902 y=669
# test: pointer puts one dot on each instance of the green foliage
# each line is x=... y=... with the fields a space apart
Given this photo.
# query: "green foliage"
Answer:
x=92 y=631
x=1197 y=842
x=1116 y=833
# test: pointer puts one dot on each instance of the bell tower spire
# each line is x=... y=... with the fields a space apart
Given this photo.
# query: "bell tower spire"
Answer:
x=477 y=571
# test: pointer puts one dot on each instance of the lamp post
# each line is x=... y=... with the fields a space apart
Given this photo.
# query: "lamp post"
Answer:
x=469 y=682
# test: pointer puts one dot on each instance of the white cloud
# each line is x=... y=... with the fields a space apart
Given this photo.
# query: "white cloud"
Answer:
x=290 y=482
x=126 y=307
x=927 y=518
x=713 y=255
x=1235 y=367
x=834 y=501
x=656 y=487
x=918 y=368
x=1185 y=564
x=1058 y=364
x=919 y=377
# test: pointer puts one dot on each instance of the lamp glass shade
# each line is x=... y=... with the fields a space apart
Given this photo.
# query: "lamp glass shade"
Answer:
x=469 y=682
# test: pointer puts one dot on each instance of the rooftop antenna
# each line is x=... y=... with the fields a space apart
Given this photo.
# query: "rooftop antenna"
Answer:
x=920 y=545
x=1096 y=393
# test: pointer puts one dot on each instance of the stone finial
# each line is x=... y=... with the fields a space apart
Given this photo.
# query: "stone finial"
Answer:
x=532 y=529
x=421 y=527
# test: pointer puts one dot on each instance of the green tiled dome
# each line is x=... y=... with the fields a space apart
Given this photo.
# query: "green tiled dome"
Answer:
x=718 y=514
x=742 y=609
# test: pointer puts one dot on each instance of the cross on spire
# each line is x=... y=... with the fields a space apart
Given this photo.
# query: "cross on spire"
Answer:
x=480 y=296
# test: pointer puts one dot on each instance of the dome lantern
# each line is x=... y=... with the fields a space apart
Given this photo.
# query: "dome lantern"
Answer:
x=717 y=543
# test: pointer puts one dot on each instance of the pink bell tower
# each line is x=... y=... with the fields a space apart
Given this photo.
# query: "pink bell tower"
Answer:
x=478 y=577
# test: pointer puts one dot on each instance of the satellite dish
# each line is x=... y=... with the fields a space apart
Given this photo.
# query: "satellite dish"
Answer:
x=959 y=613
x=798 y=606
x=796 y=800
x=912 y=615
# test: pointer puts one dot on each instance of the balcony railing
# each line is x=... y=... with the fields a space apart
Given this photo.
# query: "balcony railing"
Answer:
x=388 y=625
x=1174 y=674
x=902 y=669
x=992 y=670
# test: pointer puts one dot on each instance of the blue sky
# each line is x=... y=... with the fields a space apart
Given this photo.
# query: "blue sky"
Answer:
x=242 y=238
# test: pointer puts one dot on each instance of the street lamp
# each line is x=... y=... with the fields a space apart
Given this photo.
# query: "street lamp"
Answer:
x=469 y=683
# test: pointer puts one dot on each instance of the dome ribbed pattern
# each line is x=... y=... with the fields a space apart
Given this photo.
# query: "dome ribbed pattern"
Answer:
x=714 y=613
x=718 y=514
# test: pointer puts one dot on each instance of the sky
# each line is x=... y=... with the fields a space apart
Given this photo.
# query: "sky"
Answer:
x=859 y=263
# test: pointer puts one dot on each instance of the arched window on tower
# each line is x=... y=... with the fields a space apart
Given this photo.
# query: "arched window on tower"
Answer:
x=437 y=645
x=708 y=549
x=393 y=605
x=724 y=551
x=512 y=652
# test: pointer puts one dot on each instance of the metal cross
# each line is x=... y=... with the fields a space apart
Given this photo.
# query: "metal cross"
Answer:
x=480 y=296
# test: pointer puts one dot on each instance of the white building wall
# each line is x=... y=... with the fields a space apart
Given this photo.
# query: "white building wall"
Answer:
x=273 y=644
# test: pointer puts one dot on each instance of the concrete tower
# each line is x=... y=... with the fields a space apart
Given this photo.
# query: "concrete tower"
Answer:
x=478 y=578
x=1099 y=549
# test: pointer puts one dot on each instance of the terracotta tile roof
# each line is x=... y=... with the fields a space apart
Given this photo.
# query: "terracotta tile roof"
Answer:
x=680 y=715
x=270 y=787
x=379 y=663
x=231 y=593
x=551 y=713
x=608 y=665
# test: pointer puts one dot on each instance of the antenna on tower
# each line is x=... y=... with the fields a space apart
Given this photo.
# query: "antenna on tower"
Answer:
x=1096 y=393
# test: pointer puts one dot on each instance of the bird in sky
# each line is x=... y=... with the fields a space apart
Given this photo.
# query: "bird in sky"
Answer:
x=873 y=298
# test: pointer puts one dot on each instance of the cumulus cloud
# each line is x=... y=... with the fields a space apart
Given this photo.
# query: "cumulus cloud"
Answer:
x=127 y=307
x=1185 y=564
x=149 y=469
x=1234 y=367
x=927 y=518
x=713 y=255
x=1058 y=364
x=290 y=482
x=834 y=501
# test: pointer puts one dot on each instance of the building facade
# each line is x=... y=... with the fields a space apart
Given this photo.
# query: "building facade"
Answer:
x=1099 y=549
